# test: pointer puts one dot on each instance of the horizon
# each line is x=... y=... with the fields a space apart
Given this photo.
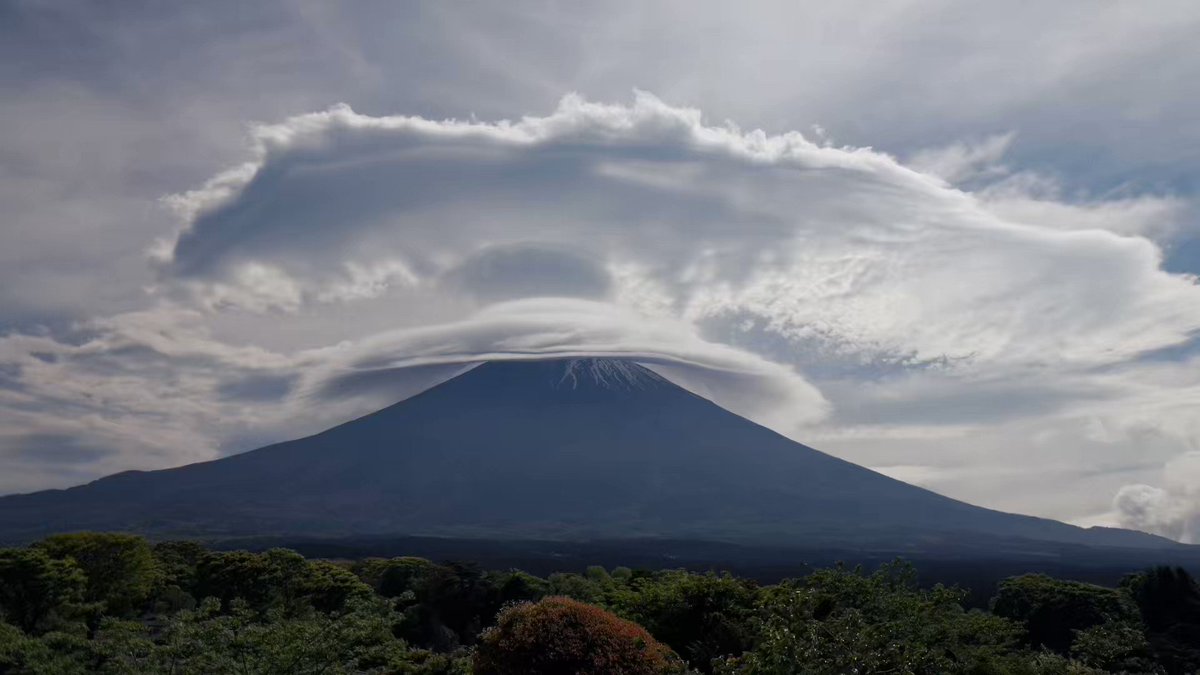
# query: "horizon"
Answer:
x=956 y=246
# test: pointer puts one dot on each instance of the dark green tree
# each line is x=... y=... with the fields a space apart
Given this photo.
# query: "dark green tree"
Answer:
x=701 y=617
x=38 y=592
x=177 y=560
x=1053 y=610
x=1168 y=600
x=843 y=621
x=277 y=579
x=515 y=586
x=54 y=653
x=122 y=572
x=1115 y=647
x=447 y=606
x=392 y=577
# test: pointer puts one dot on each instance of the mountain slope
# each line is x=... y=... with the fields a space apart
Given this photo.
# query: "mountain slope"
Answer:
x=569 y=449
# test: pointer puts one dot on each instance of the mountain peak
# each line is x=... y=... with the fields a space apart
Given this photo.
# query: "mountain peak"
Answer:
x=579 y=373
x=544 y=384
x=559 y=448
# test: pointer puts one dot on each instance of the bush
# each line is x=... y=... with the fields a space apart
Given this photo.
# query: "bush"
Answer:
x=559 y=635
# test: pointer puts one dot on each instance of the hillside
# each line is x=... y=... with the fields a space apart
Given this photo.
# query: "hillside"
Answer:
x=556 y=449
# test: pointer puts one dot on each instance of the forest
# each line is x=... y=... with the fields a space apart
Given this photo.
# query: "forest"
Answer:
x=117 y=603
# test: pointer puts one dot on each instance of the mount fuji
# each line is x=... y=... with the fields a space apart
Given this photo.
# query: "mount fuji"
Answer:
x=559 y=450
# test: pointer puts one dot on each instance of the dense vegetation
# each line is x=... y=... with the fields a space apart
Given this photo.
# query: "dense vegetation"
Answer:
x=112 y=603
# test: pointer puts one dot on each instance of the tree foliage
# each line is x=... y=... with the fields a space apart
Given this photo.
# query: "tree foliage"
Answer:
x=560 y=635
x=1168 y=599
x=36 y=591
x=845 y=621
x=1053 y=611
x=110 y=603
x=121 y=570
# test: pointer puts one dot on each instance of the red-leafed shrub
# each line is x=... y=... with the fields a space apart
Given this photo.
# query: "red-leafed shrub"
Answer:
x=561 y=636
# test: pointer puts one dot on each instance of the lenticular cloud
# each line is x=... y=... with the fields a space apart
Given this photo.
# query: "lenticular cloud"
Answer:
x=356 y=260
x=807 y=252
x=377 y=368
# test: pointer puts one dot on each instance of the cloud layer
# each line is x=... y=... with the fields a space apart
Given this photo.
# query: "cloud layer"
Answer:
x=946 y=319
x=840 y=250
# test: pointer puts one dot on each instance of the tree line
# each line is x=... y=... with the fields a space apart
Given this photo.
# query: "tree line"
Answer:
x=115 y=603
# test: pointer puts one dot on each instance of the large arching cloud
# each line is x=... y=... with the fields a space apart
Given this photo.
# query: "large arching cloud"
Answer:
x=971 y=330
x=838 y=253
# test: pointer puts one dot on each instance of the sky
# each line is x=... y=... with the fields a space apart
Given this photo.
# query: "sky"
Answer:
x=955 y=242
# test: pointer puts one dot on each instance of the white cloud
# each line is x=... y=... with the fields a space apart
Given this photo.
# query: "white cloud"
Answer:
x=1037 y=200
x=1033 y=198
x=832 y=293
x=839 y=249
x=965 y=160
x=1173 y=510
x=562 y=328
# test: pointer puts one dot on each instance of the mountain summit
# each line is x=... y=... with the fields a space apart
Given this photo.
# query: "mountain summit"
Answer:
x=553 y=449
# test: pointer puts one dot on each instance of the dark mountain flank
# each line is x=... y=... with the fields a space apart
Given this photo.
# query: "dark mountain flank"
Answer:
x=588 y=449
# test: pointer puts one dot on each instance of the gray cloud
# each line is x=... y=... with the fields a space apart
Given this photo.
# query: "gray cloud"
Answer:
x=391 y=366
x=258 y=387
x=1172 y=510
x=843 y=249
x=55 y=448
x=513 y=271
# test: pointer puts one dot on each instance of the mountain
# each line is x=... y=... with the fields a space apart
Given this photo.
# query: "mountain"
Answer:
x=584 y=449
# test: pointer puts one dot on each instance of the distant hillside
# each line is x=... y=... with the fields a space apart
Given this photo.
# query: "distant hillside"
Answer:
x=557 y=449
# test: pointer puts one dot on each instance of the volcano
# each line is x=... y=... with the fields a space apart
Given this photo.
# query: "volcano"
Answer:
x=579 y=449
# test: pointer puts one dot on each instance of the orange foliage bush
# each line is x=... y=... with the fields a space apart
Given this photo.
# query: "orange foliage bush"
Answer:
x=561 y=636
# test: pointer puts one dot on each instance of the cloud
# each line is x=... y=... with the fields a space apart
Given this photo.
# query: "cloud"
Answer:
x=833 y=251
x=1172 y=510
x=965 y=160
x=1034 y=198
x=150 y=388
x=382 y=367
x=55 y=448
x=1030 y=198
x=154 y=388
x=520 y=271
x=833 y=293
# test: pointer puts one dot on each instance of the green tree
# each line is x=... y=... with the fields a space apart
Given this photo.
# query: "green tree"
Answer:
x=1168 y=601
x=38 y=592
x=449 y=605
x=1118 y=647
x=701 y=617
x=329 y=588
x=122 y=572
x=842 y=621
x=177 y=560
x=394 y=577
x=54 y=653
x=1053 y=610
x=237 y=575
x=516 y=586
x=277 y=579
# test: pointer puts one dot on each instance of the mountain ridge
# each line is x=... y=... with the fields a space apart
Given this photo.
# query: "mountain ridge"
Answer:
x=554 y=448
